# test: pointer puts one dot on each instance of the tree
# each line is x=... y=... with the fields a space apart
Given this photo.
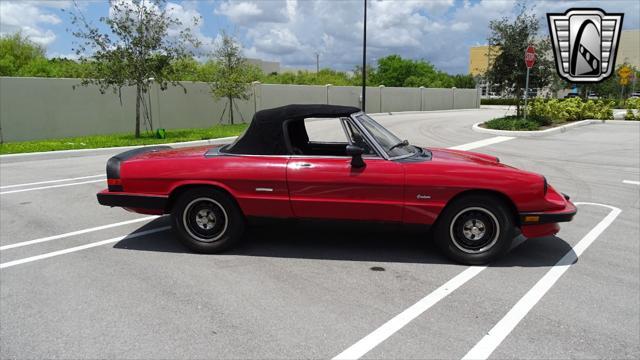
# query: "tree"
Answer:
x=303 y=77
x=232 y=74
x=508 y=70
x=140 y=44
x=17 y=52
x=464 y=81
x=356 y=78
x=393 y=70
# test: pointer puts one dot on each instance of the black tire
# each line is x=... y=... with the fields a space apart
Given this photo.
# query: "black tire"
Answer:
x=475 y=229
x=207 y=220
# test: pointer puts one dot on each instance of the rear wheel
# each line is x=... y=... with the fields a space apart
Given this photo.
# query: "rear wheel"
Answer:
x=475 y=229
x=207 y=220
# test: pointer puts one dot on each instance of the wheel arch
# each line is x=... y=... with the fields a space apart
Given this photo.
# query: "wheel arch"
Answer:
x=180 y=189
x=505 y=199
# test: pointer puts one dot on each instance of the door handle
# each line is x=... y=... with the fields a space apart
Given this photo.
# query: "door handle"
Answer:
x=304 y=165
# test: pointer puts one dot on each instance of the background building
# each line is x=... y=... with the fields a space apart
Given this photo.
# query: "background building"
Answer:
x=480 y=56
x=629 y=48
x=479 y=59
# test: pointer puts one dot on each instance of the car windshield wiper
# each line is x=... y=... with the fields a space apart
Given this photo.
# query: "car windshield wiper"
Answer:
x=401 y=143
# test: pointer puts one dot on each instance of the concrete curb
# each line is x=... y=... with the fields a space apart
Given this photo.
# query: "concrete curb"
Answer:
x=559 y=129
x=179 y=144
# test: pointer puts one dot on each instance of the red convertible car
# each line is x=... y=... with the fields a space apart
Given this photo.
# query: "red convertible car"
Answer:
x=276 y=170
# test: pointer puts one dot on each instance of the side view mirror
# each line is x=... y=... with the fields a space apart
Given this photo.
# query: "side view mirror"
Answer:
x=356 y=155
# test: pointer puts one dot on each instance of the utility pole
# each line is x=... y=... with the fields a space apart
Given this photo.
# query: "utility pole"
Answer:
x=364 y=59
x=317 y=63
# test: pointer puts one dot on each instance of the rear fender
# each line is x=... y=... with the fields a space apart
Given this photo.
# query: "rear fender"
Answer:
x=178 y=187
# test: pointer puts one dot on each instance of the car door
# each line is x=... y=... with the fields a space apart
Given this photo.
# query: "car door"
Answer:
x=330 y=187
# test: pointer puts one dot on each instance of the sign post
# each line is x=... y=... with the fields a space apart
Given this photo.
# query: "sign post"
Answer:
x=529 y=60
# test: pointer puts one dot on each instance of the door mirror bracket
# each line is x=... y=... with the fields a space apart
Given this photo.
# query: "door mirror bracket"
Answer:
x=356 y=155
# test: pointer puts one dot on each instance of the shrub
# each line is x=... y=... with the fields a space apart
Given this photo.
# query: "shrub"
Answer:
x=512 y=123
x=629 y=115
x=512 y=102
x=557 y=111
x=633 y=106
x=541 y=120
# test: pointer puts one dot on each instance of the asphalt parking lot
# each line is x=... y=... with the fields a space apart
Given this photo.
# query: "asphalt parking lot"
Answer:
x=308 y=291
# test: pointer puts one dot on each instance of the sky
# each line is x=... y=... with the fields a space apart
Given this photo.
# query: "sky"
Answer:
x=293 y=31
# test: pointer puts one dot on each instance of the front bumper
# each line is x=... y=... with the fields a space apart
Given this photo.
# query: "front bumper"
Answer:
x=546 y=217
x=135 y=202
x=545 y=223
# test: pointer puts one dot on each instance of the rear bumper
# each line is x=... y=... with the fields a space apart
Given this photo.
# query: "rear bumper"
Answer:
x=132 y=201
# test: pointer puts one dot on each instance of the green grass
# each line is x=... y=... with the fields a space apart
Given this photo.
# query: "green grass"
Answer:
x=114 y=140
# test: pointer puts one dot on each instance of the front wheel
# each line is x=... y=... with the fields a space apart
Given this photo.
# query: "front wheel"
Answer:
x=475 y=229
x=207 y=220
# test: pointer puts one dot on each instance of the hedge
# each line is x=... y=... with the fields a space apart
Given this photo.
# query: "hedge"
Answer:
x=545 y=112
x=509 y=101
x=560 y=111
x=633 y=109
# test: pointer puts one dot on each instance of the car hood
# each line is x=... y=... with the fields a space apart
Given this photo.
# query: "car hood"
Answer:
x=459 y=156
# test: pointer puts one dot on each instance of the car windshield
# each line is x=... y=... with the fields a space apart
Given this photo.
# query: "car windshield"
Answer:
x=391 y=144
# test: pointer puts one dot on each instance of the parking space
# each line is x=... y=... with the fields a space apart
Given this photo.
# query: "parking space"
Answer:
x=305 y=290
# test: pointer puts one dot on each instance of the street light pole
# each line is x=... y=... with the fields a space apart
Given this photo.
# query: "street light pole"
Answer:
x=364 y=59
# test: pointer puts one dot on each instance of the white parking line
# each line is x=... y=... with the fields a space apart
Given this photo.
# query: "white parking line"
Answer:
x=482 y=143
x=631 y=182
x=50 y=187
x=52 y=181
x=73 y=233
x=486 y=346
x=379 y=335
x=81 y=247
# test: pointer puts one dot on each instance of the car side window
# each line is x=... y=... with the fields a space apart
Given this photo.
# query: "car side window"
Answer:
x=325 y=137
x=325 y=131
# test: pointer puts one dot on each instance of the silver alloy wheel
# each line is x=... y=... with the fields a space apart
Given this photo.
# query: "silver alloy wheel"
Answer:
x=475 y=230
x=205 y=219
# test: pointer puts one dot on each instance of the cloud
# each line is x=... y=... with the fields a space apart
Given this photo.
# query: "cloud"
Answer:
x=185 y=12
x=247 y=12
x=440 y=31
x=292 y=31
x=30 y=18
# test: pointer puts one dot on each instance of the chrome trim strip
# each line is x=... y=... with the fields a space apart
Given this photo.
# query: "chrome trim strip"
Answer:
x=259 y=189
x=304 y=156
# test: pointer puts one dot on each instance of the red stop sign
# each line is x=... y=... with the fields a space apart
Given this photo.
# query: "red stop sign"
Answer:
x=530 y=56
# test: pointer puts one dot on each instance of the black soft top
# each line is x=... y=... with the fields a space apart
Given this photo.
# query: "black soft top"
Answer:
x=267 y=134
